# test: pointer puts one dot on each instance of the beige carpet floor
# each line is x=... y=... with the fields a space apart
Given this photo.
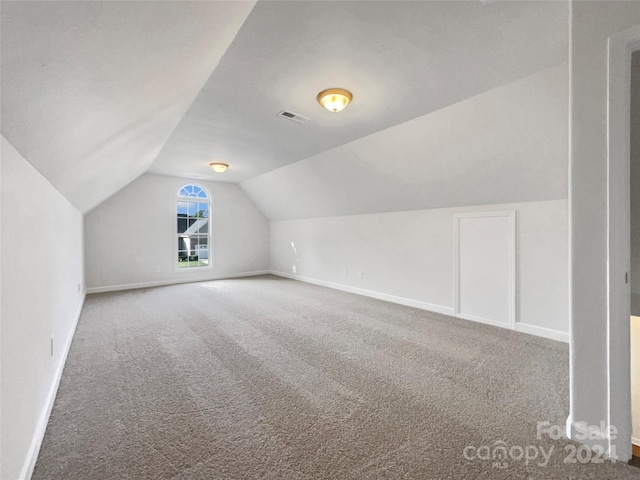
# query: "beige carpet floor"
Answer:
x=270 y=378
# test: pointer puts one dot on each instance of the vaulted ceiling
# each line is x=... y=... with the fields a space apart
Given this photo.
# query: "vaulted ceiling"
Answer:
x=92 y=90
x=96 y=93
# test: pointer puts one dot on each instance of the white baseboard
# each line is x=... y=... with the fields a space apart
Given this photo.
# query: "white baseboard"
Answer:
x=543 y=332
x=568 y=427
x=41 y=426
x=369 y=293
x=520 y=327
x=486 y=321
x=635 y=441
x=162 y=283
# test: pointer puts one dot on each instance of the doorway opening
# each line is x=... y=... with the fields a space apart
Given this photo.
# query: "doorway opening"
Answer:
x=619 y=108
x=634 y=173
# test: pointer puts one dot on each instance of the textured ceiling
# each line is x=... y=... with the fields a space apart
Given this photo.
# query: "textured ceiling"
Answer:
x=96 y=93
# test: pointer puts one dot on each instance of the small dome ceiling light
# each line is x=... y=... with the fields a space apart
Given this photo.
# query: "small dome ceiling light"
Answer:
x=219 y=167
x=334 y=99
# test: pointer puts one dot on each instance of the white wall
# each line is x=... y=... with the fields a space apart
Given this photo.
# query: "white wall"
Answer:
x=411 y=255
x=400 y=187
x=134 y=231
x=503 y=146
x=592 y=25
x=42 y=268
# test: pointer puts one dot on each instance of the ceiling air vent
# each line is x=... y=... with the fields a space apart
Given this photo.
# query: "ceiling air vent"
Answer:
x=293 y=116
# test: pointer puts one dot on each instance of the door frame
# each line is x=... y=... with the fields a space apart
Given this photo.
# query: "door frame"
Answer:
x=620 y=48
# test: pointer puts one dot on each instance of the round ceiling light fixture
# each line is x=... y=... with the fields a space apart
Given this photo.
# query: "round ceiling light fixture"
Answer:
x=219 y=167
x=334 y=99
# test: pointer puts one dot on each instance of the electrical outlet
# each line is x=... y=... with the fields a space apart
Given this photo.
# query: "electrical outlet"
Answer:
x=51 y=346
x=344 y=272
x=158 y=269
x=360 y=274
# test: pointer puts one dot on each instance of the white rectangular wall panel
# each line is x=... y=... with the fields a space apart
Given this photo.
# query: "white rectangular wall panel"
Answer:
x=485 y=267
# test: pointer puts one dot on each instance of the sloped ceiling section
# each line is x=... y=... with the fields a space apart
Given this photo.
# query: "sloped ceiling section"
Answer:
x=401 y=60
x=507 y=145
x=92 y=90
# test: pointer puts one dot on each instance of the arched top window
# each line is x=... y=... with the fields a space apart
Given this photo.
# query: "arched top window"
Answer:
x=193 y=215
x=192 y=191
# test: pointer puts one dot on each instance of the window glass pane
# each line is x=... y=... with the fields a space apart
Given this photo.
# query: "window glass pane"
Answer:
x=192 y=208
x=199 y=242
x=182 y=208
x=182 y=224
x=192 y=224
x=193 y=227
x=187 y=244
x=182 y=258
x=203 y=210
x=203 y=226
x=192 y=191
x=201 y=248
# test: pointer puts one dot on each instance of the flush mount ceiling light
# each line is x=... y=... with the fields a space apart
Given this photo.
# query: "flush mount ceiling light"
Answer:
x=334 y=99
x=219 y=167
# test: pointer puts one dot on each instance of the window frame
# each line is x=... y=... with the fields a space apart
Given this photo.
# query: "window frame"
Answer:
x=176 y=235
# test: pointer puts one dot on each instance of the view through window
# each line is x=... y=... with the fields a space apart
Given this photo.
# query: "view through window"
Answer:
x=193 y=227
